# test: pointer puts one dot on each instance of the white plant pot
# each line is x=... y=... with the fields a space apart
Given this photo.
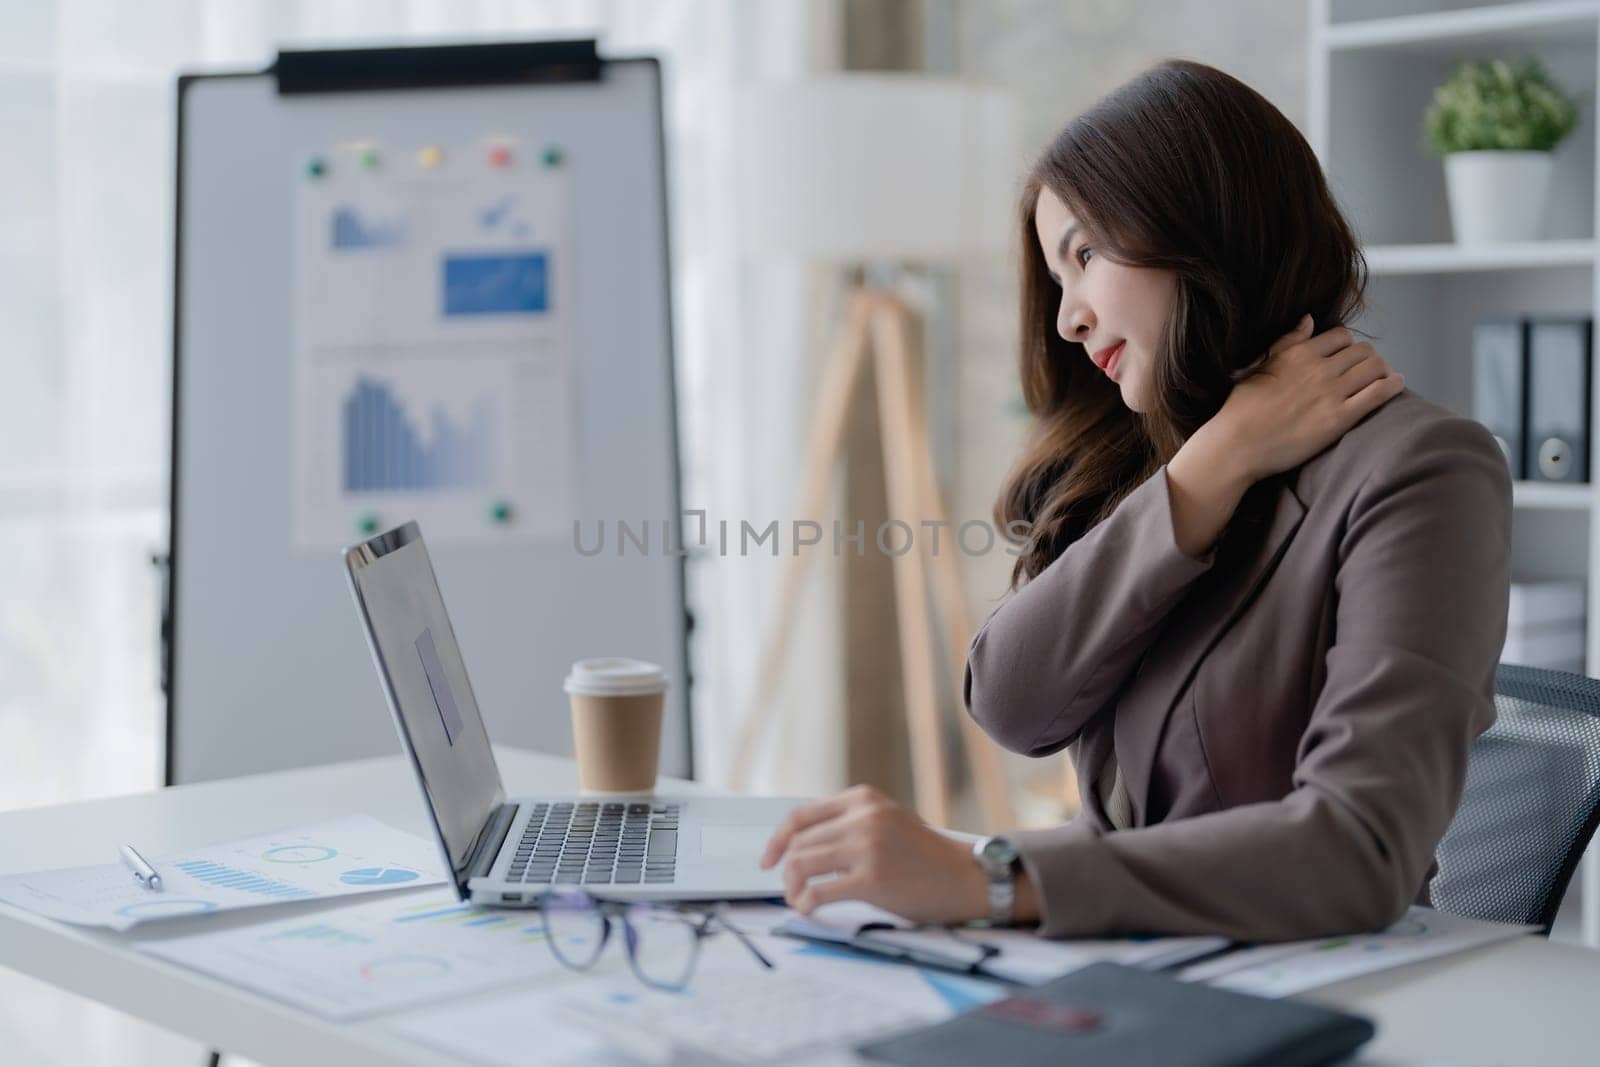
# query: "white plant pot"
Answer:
x=1497 y=196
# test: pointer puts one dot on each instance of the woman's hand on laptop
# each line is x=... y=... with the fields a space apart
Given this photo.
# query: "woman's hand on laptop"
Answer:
x=877 y=851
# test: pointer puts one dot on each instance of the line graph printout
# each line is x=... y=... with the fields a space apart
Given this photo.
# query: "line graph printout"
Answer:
x=356 y=854
x=1282 y=970
x=733 y=1011
x=377 y=956
x=432 y=352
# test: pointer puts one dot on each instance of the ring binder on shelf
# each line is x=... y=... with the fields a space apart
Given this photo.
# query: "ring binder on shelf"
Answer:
x=1557 y=443
x=1500 y=385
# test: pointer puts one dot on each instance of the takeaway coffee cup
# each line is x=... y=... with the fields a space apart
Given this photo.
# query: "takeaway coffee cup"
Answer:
x=616 y=723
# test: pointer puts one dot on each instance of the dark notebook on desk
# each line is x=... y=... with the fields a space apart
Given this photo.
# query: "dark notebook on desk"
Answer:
x=1110 y=1014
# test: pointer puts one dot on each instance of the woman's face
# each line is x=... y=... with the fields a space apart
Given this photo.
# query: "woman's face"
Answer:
x=1118 y=313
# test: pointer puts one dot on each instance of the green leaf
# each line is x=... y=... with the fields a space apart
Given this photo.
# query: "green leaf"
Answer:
x=1498 y=104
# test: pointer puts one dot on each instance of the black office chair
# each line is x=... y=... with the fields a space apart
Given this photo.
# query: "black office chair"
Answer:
x=1531 y=801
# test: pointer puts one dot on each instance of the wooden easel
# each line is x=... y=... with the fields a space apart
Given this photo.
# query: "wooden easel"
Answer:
x=884 y=318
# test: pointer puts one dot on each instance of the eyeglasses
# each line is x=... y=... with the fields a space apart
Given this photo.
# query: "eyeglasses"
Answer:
x=663 y=939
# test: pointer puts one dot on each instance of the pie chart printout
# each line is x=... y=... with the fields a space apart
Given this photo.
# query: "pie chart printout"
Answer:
x=378 y=876
x=156 y=909
x=299 y=854
x=405 y=969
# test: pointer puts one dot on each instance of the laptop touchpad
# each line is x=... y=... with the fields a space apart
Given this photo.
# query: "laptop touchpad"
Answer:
x=734 y=841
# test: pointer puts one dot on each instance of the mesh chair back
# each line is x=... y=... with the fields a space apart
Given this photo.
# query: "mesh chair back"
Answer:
x=1530 y=804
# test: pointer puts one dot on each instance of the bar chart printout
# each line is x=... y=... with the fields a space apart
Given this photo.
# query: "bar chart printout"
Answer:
x=340 y=857
x=376 y=957
x=432 y=362
x=386 y=448
x=221 y=874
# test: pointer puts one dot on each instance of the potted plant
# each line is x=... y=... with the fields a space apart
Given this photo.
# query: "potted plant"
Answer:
x=1496 y=124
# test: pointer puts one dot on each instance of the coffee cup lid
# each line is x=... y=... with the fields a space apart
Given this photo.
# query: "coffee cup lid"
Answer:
x=615 y=676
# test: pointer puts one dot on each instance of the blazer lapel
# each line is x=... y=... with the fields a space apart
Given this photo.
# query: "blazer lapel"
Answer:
x=1250 y=549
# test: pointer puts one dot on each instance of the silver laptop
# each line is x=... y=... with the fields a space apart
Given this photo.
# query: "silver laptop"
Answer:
x=508 y=851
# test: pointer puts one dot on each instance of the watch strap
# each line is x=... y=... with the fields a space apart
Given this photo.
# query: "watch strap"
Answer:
x=1001 y=878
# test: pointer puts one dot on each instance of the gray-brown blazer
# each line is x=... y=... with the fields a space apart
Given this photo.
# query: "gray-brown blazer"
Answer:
x=1291 y=713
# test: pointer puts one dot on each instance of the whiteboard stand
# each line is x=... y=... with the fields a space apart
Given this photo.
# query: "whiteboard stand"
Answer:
x=264 y=665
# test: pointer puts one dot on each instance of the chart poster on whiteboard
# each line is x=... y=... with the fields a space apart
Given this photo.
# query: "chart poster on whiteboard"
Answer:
x=432 y=354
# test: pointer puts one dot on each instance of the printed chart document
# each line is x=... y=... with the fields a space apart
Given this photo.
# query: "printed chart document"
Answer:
x=1023 y=956
x=356 y=854
x=496 y=1032
x=815 y=996
x=432 y=358
x=377 y=956
x=1293 y=967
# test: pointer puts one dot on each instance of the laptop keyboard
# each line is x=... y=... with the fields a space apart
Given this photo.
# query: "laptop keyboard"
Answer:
x=598 y=843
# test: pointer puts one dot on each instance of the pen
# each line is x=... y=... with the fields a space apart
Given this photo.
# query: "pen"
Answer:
x=143 y=873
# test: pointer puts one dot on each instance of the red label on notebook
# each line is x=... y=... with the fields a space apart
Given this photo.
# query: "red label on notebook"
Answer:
x=1062 y=1018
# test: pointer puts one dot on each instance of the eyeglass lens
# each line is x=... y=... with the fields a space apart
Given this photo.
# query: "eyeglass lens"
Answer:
x=662 y=943
x=574 y=926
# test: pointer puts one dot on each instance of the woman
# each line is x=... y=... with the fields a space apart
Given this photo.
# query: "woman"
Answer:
x=1264 y=595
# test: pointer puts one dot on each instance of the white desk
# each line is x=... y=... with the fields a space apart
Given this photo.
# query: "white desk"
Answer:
x=1522 y=1002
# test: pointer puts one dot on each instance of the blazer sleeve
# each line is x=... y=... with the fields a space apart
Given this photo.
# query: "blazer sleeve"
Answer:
x=1061 y=647
x=1422 y=582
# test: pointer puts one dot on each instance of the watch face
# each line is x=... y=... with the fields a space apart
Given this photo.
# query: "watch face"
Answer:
x=999 y=854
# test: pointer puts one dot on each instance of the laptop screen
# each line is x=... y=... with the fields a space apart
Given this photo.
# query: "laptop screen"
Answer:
x=426 y=680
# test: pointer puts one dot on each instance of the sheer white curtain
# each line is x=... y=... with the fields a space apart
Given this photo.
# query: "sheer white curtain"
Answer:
x=85 y=326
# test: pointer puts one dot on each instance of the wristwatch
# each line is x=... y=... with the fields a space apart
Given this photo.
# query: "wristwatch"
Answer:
x=998 y=858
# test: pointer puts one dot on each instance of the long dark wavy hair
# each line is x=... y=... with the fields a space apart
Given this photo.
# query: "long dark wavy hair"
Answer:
x=1186 y=169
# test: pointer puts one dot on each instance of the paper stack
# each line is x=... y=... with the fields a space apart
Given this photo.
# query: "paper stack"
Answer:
x=1545 y=625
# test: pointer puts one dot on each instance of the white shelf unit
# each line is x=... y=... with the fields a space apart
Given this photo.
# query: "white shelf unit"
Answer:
x=1372 y=67
x=1444 y=258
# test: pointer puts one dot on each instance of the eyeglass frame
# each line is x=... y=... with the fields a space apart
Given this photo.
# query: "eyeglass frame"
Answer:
x=708 y=916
